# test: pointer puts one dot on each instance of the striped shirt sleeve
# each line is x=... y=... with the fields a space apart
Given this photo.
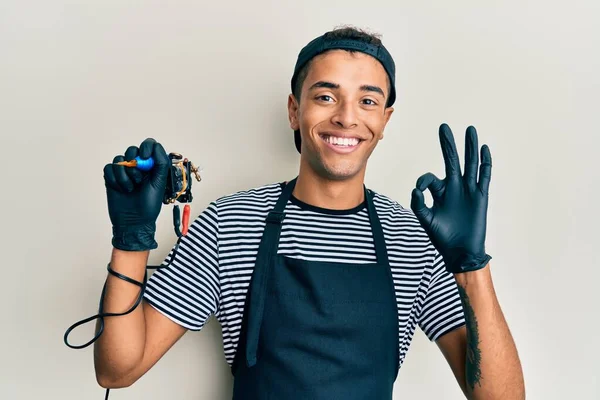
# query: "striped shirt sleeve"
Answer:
x=187 y=291
x=442 y=309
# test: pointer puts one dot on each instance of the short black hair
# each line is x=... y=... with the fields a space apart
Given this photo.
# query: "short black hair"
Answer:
x=343 y=32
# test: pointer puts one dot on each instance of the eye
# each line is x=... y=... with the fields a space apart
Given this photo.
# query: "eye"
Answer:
x=370 y=102
x=325 y=98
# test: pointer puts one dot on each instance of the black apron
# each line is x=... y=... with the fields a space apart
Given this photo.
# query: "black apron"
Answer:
x=317 y=330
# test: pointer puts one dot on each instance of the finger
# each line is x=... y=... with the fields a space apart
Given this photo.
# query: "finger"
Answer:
x=162 y=162
x=449 y=151
x=146 y=148
x=110 y=180
x=422 y=212
x=471 y=157
x=134 y=174
x=125 y=184
x=485 y=169
x=435 y=185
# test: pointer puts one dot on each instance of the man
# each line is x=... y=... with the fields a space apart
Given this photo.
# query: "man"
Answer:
x=318 y=283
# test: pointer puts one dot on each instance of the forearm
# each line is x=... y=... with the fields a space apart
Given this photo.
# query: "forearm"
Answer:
x=121 y=346
x=492 y=369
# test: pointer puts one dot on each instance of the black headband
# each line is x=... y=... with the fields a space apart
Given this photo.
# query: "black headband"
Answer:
x=322 y=44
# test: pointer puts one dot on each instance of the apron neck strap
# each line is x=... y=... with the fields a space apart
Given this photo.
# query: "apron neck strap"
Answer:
x=286 y=194
x=377 y=229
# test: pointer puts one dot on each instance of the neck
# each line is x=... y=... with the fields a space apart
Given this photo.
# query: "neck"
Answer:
x=326 y=193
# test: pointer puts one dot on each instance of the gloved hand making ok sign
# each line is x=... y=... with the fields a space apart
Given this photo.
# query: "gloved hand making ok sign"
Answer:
x=456 y=223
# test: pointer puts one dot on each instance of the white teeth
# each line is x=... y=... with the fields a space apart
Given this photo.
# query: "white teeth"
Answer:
x=341 y=141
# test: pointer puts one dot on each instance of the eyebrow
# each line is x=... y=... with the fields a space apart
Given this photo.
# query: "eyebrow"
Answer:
x=330 y=85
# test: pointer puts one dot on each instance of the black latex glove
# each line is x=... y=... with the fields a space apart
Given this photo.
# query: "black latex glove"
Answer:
x=456 y=223
x=135 y=197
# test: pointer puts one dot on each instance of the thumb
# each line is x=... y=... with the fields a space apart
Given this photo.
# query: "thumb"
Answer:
x=422 y=212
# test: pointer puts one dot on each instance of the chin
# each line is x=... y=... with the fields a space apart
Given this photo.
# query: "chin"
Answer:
x=339 y=172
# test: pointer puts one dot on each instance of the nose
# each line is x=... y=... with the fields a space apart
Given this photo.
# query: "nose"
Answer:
x=345 y=116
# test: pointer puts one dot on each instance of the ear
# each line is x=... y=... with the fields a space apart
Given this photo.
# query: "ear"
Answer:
x=387 y=114
x=293 y=112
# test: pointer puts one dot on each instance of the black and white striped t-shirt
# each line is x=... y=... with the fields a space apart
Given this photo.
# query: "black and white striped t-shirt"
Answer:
x=211 y=271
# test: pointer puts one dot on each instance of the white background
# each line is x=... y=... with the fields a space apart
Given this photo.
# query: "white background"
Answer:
x=82 y=81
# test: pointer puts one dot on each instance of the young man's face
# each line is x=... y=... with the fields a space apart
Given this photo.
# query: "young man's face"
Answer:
x=342 y=113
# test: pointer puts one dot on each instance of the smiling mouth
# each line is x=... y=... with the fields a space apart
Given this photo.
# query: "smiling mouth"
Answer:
x=340 y=142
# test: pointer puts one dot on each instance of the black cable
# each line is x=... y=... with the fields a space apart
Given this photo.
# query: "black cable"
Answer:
x=101 y=314
x=176 y=220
